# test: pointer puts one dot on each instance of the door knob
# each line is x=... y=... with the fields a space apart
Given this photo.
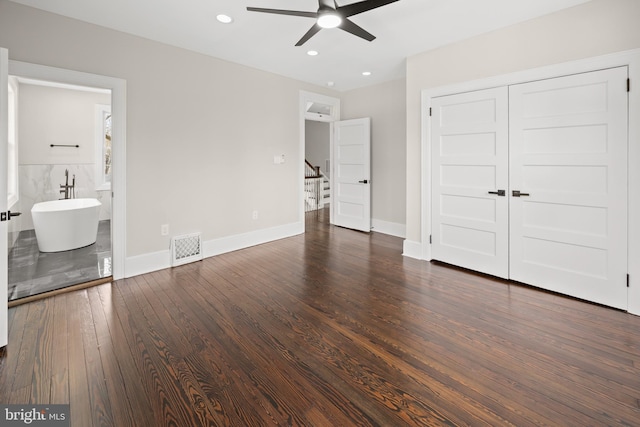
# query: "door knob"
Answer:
x=364 y=181
x=499 y=192
x=517 y=193
x=6 y=216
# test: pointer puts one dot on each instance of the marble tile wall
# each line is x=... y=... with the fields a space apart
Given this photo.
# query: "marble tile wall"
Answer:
x=15 y=225
x=40 y=183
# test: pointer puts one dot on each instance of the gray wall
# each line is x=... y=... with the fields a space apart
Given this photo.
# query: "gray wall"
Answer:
x=386 y=105
x=317 y=143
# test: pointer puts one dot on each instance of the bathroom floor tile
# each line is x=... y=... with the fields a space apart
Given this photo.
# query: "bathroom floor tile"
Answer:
x=32 y=272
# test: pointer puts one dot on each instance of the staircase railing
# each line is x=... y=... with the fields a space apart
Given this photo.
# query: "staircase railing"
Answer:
x=311 y=171
x=325 y=190
x=312 y=187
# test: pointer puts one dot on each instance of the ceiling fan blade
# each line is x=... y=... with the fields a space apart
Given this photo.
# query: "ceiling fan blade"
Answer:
x=354 y=29
x=284 y=12
x=312 y=32
x=363 y=6
x=327 y=4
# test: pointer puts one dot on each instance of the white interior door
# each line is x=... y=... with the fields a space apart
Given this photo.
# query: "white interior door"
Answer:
x=568 y=142
x=351 y=177
x=4 y=134
x=469 y=134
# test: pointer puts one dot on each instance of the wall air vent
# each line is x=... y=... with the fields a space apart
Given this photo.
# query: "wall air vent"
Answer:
x=186 y=249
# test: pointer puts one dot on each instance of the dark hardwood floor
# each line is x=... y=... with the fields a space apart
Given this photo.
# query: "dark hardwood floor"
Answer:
x=331 y=328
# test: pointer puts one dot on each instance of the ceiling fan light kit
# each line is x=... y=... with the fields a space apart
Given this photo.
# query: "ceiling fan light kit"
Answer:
x=329 y=20
x=330 y=15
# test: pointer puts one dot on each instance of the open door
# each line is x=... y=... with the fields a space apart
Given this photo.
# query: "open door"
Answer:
x=351 y=175
x=4 y=134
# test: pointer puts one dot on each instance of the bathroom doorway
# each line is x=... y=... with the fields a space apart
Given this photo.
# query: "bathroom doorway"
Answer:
x=61 y=140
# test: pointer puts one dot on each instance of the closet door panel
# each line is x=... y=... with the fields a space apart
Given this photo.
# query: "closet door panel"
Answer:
x=568 y=150
x=470 y=155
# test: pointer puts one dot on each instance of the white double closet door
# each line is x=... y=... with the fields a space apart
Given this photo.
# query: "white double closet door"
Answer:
x=529 y=182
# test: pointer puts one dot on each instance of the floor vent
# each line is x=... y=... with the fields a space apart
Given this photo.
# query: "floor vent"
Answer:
x=186 y=249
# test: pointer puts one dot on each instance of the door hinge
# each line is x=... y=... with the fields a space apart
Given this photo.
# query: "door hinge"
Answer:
x=628 y=85
x=430 y=112
x=430 y=239
x=627 y=280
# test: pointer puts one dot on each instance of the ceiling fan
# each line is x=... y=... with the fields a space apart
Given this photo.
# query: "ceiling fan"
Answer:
x=330 y=15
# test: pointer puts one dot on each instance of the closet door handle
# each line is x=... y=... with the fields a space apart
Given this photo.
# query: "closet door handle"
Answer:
x=499 y=192
x=517 y=193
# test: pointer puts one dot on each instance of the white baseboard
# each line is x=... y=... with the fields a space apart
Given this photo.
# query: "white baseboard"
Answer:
x=390 y=228
x=412 y=249
x=146 y=263
x=253 y=238
x=155 y=261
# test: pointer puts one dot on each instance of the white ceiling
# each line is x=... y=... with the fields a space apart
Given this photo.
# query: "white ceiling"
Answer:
x=266 y=41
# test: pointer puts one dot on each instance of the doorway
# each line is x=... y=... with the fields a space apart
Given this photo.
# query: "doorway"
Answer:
x=317 y=114
x=61 y=140
x=116 y=232
x=317 y=169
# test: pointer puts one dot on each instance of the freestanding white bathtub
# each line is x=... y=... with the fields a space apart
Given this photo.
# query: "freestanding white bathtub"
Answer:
x=62 y=225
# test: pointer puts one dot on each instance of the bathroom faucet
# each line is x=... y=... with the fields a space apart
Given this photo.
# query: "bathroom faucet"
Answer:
x=66 y=189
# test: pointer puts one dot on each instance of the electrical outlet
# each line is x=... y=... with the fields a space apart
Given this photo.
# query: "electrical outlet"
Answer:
x=255 y=215
x=164 y=230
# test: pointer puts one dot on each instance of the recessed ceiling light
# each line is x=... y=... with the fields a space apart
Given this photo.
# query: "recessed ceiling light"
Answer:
x=366 y=73
x=330 y=84
x=225 y=19
x=312 y=53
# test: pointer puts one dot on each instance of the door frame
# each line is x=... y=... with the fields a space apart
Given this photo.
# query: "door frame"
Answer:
x=305 y=98
x=630 y=59
x=4 y=226
x=118 y=135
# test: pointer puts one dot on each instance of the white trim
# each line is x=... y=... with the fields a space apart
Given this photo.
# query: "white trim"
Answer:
x=630 y=59
x=633 y=230
x=14 y=196
x=390 y=228
x=305 y=98
x=146 y=263
x=412 y=249
x=160 y=260
x=99 y=131
x=253 y=238
x=65 y=86
x=425 y=177
x=118 y=88
x=4 y=226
